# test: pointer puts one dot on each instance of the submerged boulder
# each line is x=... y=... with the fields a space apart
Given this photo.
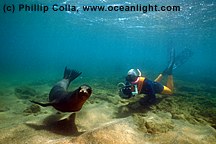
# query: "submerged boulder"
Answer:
x=117 y=131
x=148 y=128
x=4 y=109
x=154 y=123
x=32 y=109
x=25 y=92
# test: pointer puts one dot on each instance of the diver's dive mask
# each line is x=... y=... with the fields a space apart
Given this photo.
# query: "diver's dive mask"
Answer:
x=132 y=75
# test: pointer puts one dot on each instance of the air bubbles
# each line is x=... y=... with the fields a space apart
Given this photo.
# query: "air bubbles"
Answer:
x=210 y=5
x=128 y=3
x=103 y=1
x=122 y=19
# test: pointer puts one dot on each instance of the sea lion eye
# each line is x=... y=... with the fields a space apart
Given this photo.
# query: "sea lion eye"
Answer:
x=89 y=91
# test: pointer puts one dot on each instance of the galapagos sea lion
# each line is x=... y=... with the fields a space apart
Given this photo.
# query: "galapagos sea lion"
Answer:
x=65 y=101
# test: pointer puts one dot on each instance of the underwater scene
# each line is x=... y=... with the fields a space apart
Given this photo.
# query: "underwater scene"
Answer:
x=108 y=72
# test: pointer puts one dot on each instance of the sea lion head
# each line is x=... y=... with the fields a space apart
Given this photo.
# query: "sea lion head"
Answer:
x=84 y=92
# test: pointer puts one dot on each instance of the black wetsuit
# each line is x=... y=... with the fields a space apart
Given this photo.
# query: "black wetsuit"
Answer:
x=150 y=88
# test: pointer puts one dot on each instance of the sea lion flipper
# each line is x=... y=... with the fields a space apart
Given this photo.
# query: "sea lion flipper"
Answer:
x=71 y=74
x=43 y=104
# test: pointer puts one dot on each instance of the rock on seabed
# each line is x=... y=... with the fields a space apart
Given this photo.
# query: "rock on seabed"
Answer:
x=151 y=128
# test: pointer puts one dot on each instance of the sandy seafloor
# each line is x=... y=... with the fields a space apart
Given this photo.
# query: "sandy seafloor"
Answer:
x=189 y=116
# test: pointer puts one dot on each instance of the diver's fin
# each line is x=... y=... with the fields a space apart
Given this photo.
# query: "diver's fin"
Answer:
x=178 y=60
x=183 y=57
x=71 y=74
x=168 y=70
x=171 y=56
x=42 y=104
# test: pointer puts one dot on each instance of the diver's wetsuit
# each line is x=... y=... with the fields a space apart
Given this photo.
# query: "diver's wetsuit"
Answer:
x=150 y=88
x=144 y=86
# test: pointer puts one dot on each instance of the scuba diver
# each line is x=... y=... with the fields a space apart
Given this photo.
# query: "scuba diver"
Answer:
x=138 y=84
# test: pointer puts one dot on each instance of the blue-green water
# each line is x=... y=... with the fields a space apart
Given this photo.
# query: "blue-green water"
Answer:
x=37 y=44
x=36 y=47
